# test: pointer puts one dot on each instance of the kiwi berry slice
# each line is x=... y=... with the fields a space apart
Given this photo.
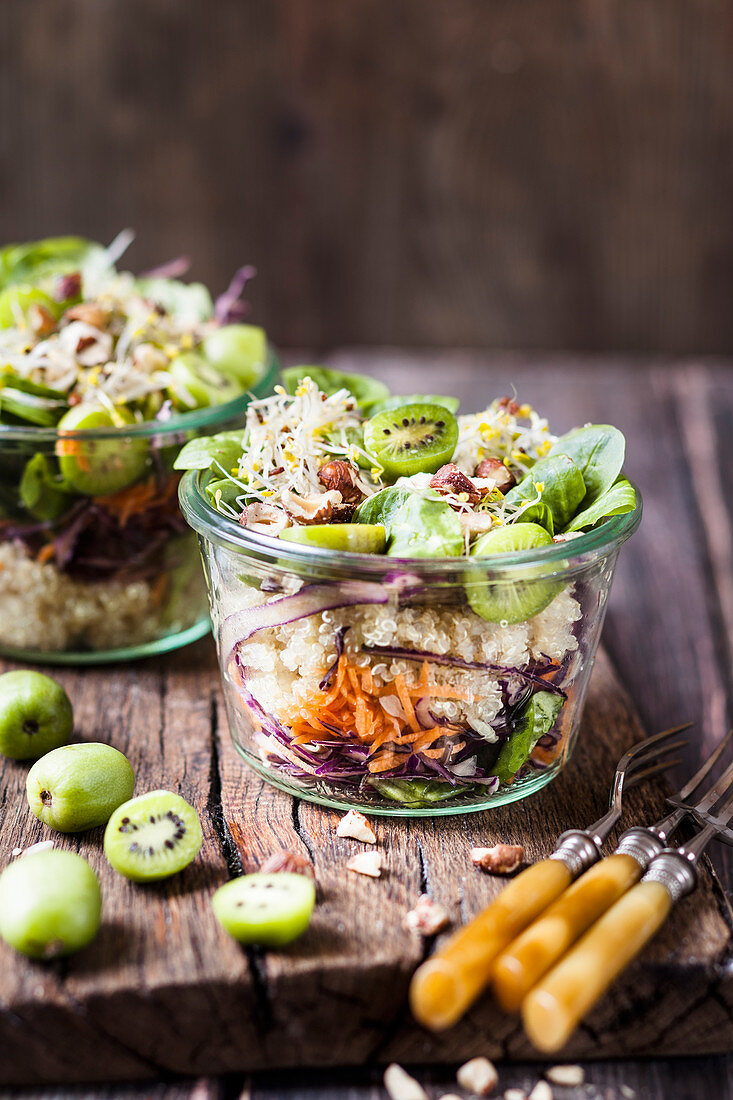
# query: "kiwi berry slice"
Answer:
x=152 y=836
x=99 y=467
x=412 y=439
x=266 y=909
x=510 y=601
x=358 y=538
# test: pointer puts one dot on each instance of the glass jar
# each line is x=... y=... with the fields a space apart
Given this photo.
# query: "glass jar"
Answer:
x=96 y=562
x=404 y=687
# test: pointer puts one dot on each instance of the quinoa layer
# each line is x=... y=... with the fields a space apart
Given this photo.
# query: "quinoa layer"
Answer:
x=43 y=609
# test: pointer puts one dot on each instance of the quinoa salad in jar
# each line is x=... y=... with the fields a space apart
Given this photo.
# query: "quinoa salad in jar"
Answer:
x=103 y=376
x=406 y=601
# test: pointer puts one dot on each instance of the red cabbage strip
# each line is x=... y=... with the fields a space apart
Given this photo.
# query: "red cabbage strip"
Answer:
x=172 y=269
x=228 y=308
x=240 y=626
x=399 y=654
x=339 y=645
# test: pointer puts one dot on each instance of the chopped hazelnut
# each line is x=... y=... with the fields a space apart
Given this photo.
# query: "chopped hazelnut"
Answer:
x=355 y=825
x=339 y=475
x=567 y=1076
x=495 y=469
x=314 y=509
x=264 y=518
x=509 y=404
x=67 y=286
x=427 y=918
x=478 y=1075
x=400 y=1086
x=88 y=312
x=366 y=863
x=515 y=1094
x=450 y=479
x=290 y=862
x=502 y=859
x=42 y=321
x=541 y=1091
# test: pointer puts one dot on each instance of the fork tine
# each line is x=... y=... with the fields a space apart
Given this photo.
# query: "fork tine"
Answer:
x=649 y=742
x=652 y=757
x=639 y=776
x=706 y=766
x=712 y=796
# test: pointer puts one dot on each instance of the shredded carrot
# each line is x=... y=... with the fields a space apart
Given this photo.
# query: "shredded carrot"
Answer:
x=45 y=553
x=353 y=706
x=134 y=499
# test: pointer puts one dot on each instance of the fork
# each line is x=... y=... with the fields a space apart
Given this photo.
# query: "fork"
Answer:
x=447 y=983
x=547 y=939
x=553 y=1009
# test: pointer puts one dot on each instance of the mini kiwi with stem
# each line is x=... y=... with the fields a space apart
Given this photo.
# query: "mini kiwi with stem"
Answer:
x=35 y=715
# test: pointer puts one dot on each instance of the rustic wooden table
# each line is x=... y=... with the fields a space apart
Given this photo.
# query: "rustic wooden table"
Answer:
x=669 y=637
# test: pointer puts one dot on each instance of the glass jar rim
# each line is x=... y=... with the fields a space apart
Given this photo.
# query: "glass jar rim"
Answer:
x=192 y=421
x=580 y=551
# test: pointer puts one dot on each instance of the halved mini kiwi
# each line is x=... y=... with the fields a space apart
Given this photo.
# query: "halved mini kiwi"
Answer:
x=358 y=538
x=266 y=909
x=152 y=836
x=510 y=601
x=412 y=439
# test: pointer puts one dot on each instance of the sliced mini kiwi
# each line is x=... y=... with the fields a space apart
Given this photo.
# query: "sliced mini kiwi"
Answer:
x=358 y=538
x=99 y=467
x=411 y=439
x=266 y=909
x=152 y=836
x=510 y=601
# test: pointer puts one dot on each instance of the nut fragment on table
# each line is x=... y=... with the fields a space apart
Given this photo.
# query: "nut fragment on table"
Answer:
x=567 y=1076
x=356 y=826
x=401 y=1086
x=502 y=859
x=541 y=1091
x=290 y=862
x=366 y=863
x=427 y=917
x=515 y=1094
x=478 y=1075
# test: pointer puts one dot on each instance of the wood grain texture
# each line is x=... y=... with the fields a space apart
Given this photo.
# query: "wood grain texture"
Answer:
x=107 y=1008
x=450 y=172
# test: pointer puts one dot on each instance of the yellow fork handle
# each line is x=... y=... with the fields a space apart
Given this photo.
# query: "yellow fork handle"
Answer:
x=548 y=938
x=555 y=1007
x=451 y=979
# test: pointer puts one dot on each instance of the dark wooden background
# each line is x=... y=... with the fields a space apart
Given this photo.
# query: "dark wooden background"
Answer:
x=507 y=173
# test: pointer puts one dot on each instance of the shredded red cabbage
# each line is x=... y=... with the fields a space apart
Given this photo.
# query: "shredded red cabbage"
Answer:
x=229 y=307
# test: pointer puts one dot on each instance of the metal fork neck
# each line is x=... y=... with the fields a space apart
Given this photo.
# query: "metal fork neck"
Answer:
x=578 y=850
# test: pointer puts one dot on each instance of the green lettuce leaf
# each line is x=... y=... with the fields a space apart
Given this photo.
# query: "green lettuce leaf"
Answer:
x=416 y=527
x=537 y=720
x=616 y=501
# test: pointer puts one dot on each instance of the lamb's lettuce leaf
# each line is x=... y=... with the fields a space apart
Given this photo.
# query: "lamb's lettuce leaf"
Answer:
x=598 y=452
x=417 y=526
x=563 y=488
x=616 y=501
x=35 y=260
x=537 y=719
x=211 y=452
x=416 y=792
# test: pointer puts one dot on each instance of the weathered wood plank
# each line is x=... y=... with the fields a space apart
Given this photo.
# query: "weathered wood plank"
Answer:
x=165 y=990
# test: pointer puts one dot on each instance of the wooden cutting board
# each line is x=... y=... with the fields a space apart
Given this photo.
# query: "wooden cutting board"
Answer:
x=164 y=989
